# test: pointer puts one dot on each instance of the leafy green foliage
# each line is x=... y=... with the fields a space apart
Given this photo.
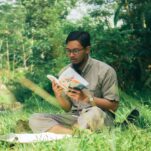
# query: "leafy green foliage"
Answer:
x=13 y=45
x=44 y=27
x=135 y=16
x=36 y=40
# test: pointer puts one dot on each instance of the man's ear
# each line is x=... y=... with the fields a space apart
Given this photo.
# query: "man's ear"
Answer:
x=88 y=49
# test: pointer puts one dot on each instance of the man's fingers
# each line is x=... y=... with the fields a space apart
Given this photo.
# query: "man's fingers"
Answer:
x=55 y=84
x=73 y=95
x=56 y=88
x=74 y=90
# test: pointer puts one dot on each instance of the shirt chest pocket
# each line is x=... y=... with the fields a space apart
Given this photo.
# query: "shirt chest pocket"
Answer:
x=95 y=90
x=94 y=85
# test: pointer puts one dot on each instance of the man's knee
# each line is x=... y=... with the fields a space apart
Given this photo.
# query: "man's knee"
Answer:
x=34 y=117
x=101 y=117
x=92 y=118
x=41 y=122
x=97 y=112
x=33 y=121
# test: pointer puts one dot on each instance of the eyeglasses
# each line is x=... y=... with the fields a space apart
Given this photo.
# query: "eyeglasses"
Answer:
x=73 y=51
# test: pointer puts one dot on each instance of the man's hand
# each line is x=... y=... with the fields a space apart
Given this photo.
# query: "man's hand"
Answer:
x=77 y=95
x=57 y=89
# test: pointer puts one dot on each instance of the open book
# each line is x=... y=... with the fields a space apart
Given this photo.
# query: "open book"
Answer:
x=70 y=78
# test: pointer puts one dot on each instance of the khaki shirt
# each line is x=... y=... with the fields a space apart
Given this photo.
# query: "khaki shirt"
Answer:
x=102 y=80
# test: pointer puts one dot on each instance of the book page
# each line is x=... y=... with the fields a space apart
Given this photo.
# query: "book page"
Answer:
x=53 y=78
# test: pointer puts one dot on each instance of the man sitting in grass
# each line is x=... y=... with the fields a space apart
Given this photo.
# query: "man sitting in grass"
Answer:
x=84 y=111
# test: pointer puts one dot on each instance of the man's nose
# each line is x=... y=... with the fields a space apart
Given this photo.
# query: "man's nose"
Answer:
x=71 y=54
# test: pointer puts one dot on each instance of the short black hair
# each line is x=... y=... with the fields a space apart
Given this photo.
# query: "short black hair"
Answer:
x=82 y=36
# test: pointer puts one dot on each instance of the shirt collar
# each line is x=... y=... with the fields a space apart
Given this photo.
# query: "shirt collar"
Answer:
x=87 y=66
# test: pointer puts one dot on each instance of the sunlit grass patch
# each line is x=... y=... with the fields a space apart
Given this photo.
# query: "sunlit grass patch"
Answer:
x=132 y=138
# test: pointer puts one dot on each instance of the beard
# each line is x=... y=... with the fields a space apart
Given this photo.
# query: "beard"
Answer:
x=79 y=66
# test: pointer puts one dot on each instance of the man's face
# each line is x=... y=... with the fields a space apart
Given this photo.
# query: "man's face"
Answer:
x=76 y=52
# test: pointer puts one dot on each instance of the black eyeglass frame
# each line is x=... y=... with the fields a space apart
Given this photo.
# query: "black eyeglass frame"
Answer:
x=74 y=51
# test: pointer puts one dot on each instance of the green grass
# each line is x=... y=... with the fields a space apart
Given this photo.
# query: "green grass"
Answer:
x=133 y=138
